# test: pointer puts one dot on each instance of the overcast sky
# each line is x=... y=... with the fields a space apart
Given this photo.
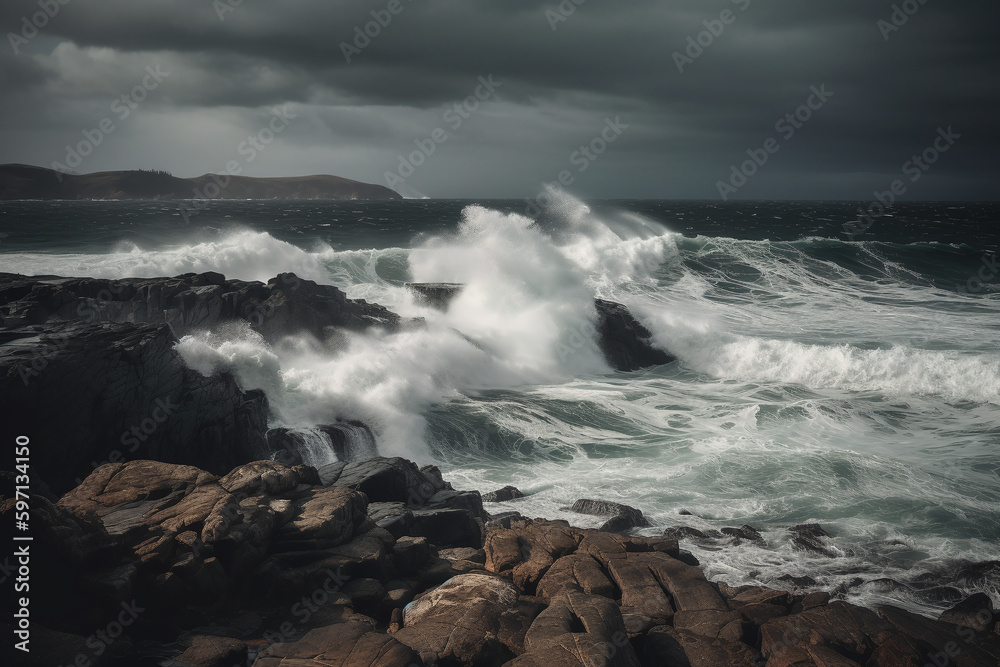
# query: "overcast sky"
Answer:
x=224 y=67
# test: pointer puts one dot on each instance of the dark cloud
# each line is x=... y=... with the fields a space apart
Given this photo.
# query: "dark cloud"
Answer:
x=557 y=88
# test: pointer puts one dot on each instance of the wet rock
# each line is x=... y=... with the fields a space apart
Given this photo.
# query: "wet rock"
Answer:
x=577 y=572
x=688 y=558
x=622 y=518
x=626 y=344
x=122 y=392
x=809 y=537
x=689 y=533
x=854 y=632
x=943 y=638
x=505 y=494
x=800 y=582
x=744 y=533
x=502 y=519
x=976 y=612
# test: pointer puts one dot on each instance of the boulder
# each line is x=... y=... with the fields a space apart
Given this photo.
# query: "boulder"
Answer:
x=622 y=518
x=210 y=651
x=460 y=621
x=503 y=495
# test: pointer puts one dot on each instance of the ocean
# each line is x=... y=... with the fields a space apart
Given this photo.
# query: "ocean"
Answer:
x=852 y=382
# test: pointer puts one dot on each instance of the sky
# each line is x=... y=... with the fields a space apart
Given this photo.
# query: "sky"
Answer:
x=709 y=99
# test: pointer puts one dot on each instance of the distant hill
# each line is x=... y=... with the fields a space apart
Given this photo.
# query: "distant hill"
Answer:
x=21 y=181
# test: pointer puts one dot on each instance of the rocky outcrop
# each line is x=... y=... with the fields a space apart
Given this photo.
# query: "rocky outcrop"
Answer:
x=89 y=394
x=286 y=305
x=622 y=517
x=268 y=562
x=625 y=343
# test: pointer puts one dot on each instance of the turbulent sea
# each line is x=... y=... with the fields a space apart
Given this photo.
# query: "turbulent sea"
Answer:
x=853 y=383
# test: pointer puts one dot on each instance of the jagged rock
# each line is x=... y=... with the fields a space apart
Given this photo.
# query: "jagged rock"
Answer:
x=626 y=344
x=622 y=518
x=642 y=593
x=411 y=553
x=505 y=494
x=747 y=533
x=435 y=295
x=351 y=644
x=394 y=517
x=808 y=537
x=670 y=646
x=460 y=621
x=687 y=532
x=122 y=392
x=938 y=640
x=286 y=305
x=854 y=632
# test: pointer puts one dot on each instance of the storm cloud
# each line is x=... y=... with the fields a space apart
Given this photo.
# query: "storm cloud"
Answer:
x=695 y=89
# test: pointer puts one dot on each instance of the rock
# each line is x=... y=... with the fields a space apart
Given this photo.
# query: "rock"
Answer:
x=464 y=553
x=385 y=480
x=744 y=533
x=626 y=344
x=808 y=537
x=688 y=558
x=348 y=440
x=502 y=519
x=460 y=621
x=210 y=651
x=451 y=527
x=576 y=572
x=394 y=517
x=435 y=295
x=526 y=550
x=686 y=532
x=642 y=593
x=975 y=612
x=578 y=629
x=622 y=518
x=852 y=631
x=800 y=582
x=122 y=392
x=503 y=495
x=352 y=644
x=943 y=638
x=366 y=594
x=669 y=646
x=411 y=553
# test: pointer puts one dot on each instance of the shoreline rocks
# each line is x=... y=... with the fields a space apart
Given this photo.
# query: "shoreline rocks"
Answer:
x=290 y=564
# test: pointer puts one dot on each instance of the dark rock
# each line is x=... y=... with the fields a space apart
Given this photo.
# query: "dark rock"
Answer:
x=503 y=519
x=942 y=638
x=122 y=392
x=622 y=518
x=384 y=480
x=976 y=612
x=686 y=513
x=411 y=553
x=394 y=517
x=686 y=532
x=626 y=344
x=502 y=495
x=688 y=558
x=748 y=533
x=464 y=553
x=366 y=594
x=800 y=582
x=448 y=527
x=348 y=440
x=808 y=537
x=435 y=295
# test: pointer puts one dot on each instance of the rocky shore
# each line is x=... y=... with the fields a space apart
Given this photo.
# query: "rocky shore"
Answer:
x=379 y=562
x=210 y=544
